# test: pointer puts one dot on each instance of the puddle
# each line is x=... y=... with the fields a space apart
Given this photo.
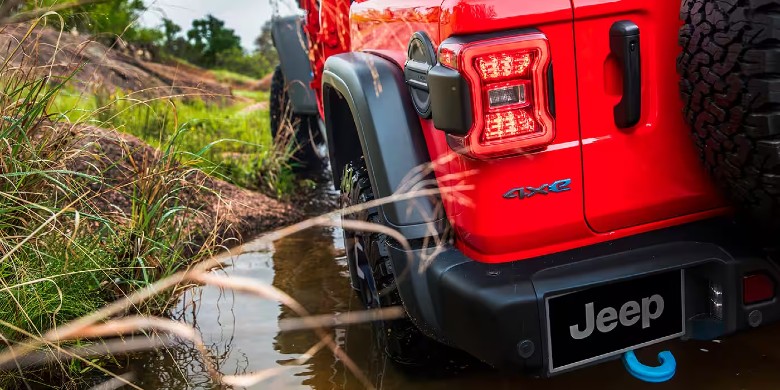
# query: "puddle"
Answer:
x=242 y=333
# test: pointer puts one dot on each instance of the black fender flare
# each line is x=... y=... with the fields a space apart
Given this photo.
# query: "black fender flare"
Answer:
x=292 y=46
x=388 y=128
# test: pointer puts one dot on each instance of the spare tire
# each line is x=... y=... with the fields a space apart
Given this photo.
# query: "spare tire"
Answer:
x=730 y=86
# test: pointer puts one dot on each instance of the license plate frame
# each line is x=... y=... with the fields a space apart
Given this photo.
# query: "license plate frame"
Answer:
x=631 y=289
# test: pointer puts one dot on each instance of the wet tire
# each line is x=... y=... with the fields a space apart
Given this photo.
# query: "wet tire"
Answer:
x=307 y=133
x=730 y=85
x=373 y=280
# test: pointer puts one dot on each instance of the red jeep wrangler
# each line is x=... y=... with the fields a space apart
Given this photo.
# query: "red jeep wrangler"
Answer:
x=576 y=220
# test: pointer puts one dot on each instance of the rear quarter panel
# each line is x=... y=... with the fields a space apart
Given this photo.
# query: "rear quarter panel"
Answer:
x=489 y=227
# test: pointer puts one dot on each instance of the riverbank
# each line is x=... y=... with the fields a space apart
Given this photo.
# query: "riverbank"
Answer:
x=225 y=213
x=103 y=193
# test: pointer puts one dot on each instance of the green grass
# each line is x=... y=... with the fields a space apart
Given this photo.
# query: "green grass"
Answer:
x=257 y=96
x=63 y=257
x=226 y=76
x=60 y=256
x=226 y=141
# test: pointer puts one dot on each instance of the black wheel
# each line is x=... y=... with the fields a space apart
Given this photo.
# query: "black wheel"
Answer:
x=372 y=278
x=730 y=85
x=307 y=133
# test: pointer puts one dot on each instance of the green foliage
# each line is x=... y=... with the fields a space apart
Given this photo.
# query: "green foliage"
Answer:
x=209 y=38
x=56 y=249
x=236 y=60
x=148 y=37
x=208 y=43
x=211 y=45
x=265 y=50
x=257 y=96
x=170 y=30
x=62 y=257
x=230 y=77
x=50 y=269
x=107 y=20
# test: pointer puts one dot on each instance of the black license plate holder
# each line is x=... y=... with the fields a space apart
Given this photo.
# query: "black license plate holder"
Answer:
x=600 y=322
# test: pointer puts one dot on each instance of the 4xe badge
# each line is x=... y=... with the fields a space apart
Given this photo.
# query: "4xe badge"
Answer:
x=545 y=189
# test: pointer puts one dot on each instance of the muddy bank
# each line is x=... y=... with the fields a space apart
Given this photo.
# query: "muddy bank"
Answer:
x=122 y=164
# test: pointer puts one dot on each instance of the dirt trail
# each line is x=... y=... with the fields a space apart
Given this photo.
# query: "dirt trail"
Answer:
x=255 y=107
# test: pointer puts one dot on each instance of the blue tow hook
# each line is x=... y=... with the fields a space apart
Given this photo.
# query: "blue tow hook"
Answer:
x=658 y=374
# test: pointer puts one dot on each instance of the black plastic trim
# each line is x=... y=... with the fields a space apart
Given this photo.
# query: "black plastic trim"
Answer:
x=421 y=56
x=291 y=44
x=551 y=89
x=388 y=127
x=625 y=46
x=450 y=100
x=489 y=309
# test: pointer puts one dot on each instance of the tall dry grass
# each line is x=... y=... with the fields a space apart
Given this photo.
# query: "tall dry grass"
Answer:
x=62 y=255
x=63 y=259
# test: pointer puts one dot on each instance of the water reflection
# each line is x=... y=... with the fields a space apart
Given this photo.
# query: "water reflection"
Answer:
x=242 y=333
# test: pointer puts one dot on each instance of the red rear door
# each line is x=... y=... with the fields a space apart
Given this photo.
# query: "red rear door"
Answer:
x=642 y=169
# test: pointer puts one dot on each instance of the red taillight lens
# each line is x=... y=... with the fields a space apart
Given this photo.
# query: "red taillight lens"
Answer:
x=506 y=125
x=508 y=79
x=757 y=288
x=503 y=65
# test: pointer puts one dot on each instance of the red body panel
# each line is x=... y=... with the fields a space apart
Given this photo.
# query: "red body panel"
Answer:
x=633 y=182
x=459 y=17
x=650 y=172
x=327 y=26
x=388 y=25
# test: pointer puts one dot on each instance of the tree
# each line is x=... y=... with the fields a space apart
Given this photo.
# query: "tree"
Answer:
x=170 y=30
x=107 y=20
x=209 y=37
x=173 y=43
x=265 y=50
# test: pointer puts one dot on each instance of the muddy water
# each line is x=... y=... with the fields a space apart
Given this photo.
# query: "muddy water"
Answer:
x=242 y=332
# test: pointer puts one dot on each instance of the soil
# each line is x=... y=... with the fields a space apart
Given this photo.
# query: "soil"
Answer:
x=234 y=214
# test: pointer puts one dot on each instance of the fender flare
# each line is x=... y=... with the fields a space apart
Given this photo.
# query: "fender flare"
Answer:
x=292 y=46
x=388 y=128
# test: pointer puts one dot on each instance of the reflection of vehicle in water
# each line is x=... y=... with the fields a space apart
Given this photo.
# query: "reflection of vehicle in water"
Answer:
x=304 y=266
x=591 y=228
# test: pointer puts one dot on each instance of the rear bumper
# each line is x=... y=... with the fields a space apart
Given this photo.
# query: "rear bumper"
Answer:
x=496 y=312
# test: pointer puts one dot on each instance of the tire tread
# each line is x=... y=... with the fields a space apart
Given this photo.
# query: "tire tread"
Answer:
x=730 y=86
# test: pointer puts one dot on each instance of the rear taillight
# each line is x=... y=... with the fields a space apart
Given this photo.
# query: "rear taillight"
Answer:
x=508 y=79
